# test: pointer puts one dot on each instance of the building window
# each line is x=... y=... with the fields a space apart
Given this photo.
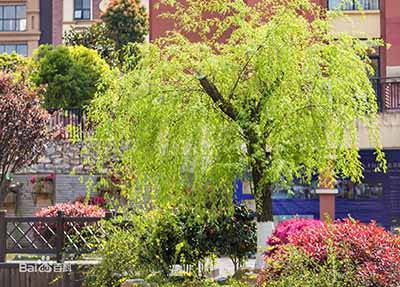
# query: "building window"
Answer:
x=82 y=9
x=21 y=49
x=353 y=4
x=12 y=18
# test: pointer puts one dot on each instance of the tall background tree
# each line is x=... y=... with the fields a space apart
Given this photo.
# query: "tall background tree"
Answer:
x=280 y=97
x=123 y=22
x=23 y=128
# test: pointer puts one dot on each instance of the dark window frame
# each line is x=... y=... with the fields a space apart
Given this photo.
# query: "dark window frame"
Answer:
x=78 y=6
x=15 y=20
x=354 y=6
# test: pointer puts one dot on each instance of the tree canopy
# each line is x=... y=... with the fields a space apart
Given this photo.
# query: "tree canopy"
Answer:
x=23 y=127
x=279 y=96
x=71 y=75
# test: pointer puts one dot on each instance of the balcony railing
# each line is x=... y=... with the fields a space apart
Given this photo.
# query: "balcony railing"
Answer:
x=388 y=93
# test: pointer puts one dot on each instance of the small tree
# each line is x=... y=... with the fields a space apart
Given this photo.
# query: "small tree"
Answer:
x=71 y=75
x=126 y=22
x=236 y=235
x=94 y=37
x=280 y=96
x=23 y=127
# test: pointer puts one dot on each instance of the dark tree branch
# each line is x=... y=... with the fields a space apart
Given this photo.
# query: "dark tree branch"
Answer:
x=217 y=98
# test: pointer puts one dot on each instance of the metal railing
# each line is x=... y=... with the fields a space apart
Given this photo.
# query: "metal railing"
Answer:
x=388 y=93
x=68 y=123
x=57 y=236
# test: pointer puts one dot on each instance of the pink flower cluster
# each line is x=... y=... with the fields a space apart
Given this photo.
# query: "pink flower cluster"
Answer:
x=286 y=228
x=51 y=177
x=76 y=209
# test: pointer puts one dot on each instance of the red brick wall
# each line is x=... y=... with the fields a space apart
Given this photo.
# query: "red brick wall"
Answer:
x=391 y=30
x=57 y=21
x=96 y=9
x=159 y=26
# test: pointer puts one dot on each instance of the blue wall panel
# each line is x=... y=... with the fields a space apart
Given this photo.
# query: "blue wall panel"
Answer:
x=385 y=208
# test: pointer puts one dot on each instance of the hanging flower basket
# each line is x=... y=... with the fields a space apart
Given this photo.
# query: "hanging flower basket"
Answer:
x=43 y=188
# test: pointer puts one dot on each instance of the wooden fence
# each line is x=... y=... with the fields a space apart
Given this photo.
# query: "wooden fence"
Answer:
x=11 y=275
x=55 y=236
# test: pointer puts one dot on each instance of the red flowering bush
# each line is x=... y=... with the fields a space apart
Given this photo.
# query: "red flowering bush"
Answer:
x=373 y=252
x=76 y=209
x=287 y=228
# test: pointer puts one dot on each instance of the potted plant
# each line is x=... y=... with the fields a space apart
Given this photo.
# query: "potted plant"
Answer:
x=43 y=187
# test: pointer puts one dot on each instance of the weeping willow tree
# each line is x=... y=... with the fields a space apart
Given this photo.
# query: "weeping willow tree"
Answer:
x=269 y=89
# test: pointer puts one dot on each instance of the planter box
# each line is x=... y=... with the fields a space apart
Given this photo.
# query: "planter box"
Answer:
x=43 y=191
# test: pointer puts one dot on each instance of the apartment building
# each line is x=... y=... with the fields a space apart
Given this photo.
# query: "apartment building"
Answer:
x=19 y=26
x=25 y=24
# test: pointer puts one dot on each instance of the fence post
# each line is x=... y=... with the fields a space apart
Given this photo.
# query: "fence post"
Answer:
x=60 y=236
x=3 y=235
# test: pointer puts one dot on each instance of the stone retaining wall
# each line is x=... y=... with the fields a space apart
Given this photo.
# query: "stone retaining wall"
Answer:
x=61 y=156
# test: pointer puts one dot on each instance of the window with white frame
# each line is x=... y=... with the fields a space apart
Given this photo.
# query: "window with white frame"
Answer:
x=12 y=18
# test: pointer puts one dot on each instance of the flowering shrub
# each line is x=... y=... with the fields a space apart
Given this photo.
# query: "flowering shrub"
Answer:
x=287 y=228
x=76 y=209
x=373 y=251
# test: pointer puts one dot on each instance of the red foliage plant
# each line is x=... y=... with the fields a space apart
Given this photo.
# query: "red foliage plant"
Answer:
x=374 y=251
x=286 y=228
x=76 y=209
x=23 y=126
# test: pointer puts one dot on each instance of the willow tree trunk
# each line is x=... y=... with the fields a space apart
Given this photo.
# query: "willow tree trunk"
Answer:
x=263 y=199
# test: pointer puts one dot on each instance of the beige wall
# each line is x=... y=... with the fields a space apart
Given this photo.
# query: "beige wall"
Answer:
x=359 y=24
x=389 y=123
x=393 y=71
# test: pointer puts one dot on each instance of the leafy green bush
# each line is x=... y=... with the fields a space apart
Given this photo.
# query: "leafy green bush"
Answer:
x=293 y=267
x=167 y=237
x=119 y=259
x=72 y=75
x=14 y=63
x=236 y=235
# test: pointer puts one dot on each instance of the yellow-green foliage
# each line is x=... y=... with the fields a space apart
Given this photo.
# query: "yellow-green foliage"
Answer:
x=280 y=97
